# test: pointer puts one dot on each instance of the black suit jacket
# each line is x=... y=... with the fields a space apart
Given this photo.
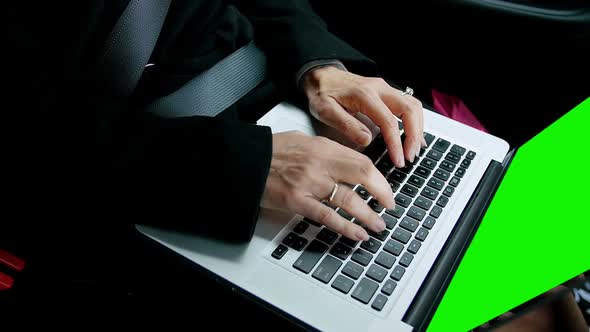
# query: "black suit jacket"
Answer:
x=84 y=165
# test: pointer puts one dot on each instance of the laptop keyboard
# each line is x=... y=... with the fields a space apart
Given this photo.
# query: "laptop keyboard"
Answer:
x=369 y=271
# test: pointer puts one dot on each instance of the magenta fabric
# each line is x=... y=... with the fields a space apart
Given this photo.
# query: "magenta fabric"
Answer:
x=454 y=108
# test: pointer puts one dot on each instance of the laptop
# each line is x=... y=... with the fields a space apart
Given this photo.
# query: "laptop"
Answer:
x=396 y=279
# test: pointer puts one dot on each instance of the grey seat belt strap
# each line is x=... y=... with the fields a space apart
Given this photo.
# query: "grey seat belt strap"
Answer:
x=217 y=88
x=130 y=45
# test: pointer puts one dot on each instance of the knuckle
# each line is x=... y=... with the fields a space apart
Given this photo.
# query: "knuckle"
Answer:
x=348 y=198
x=325 y=215
x=365 y=167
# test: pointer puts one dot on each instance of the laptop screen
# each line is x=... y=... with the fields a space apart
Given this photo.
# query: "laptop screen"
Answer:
x=535 y=233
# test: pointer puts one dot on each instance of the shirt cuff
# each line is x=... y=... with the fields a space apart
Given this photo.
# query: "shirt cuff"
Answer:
x=316 y=64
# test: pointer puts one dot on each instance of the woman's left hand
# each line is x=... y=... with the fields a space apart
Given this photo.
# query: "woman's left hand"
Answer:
x=335 y=96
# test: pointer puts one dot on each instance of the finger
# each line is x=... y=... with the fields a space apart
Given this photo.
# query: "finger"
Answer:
x=351 y=202
x=331 y=113
x=369 y=103
x=313 y=209
x=409 y=110
x=350 y=166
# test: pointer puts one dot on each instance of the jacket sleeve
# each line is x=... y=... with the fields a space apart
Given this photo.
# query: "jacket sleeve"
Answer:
x=292 y=35
x=198 y=174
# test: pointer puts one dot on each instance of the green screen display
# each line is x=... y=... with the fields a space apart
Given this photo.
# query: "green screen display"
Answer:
x=536 y=232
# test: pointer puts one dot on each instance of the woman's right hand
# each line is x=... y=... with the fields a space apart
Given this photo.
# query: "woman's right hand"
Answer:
x=303 y=172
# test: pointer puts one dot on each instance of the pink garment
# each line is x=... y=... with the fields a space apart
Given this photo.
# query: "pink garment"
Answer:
x=454 y=108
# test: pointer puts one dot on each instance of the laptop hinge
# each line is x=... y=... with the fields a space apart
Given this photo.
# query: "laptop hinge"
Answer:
x=435 y=285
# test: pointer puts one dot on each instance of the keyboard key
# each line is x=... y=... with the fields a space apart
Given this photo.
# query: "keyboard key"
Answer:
x=452 y=157
x=442 y=174
x=311 y=222
x=423 y=202
x=409 y=224
x=428 y=138
x=377 y=273
x=460 y=172
x=384 y=165
x=348 y=242
x=454 y=181
x=362 y=192
x=352 y=270
x=430 y=193
x=416 y=213
x=436 y=183
x=465 y=163
x=397 y=176
x=470 y=155
x=422 y=152
x=376 y=148
x=362 y=257
x=342 y=284
x=389 y=221
x=327 y=269
x=397 y=273
x=301 y=227
x=371 y=245
x=290 y=239
x=441 y=145
x=429 y=222
x=364 y=290
x=310 y=257
x=416 y=181
x=422 y=171
x=299 y=243
x=397 y=212
x=403 y=200
x=374 y=204
x=406 y=259
x=401 y=235
x=414 y=246
x=280 y=251
x=327 y=235
x=448 y=166
x=436 y=211
x=381 y=235
x=435 y=155
x=458 y=149
x=344 y=214
x=384 y=259
x=406 y=169
x=416 y=160
x=394 y=186
x=341 y=251
x=393 y=247
x=449 y=191
x=409 y=190
x=388 y=287
x=428 y=163
x=379 y=302
x=442 y=201
x=422 y=234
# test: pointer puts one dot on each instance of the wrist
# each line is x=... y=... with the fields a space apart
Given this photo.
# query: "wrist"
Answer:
x=311 y=80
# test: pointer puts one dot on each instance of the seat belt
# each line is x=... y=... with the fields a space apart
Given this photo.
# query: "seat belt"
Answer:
x=131 y=43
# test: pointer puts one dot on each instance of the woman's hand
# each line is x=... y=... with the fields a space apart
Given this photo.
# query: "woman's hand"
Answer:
x=335 y=96
x=303 y=172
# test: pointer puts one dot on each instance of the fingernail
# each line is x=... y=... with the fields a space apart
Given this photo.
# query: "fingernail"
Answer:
x=362 y=235
x=381 y=225
x=364 y=138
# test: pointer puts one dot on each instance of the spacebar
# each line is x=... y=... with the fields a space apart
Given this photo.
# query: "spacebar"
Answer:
x=310 y=257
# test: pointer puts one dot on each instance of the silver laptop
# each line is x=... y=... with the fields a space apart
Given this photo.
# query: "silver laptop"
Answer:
x=392 y=282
